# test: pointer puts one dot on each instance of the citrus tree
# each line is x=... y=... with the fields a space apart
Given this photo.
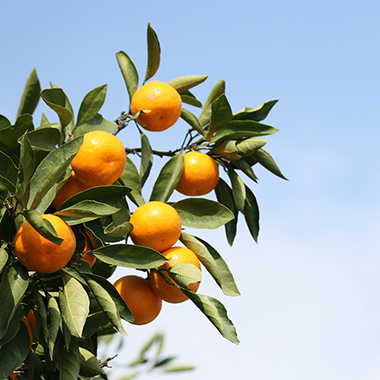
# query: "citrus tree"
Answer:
x=74 y=208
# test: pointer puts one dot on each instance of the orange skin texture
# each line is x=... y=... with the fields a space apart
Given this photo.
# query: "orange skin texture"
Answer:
x=71 y=187
x=38 y=253
x=199 y=176
x=156 y=225
x=141 y=300
x=100 y=160
x=162 y=100
x=168 y=292
x=32 y=318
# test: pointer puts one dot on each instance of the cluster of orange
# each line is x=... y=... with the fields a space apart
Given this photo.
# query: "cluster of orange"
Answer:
x=157 y=225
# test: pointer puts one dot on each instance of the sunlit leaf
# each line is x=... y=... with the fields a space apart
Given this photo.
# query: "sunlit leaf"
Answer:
x=192 y=120
x=266 y=160
x=89 y=364
x=184 y=83
x=257 y=114
x=217 y=90
x=154 y=52
x=69 y=361
x=129 y=72
x=146 y=158
x=31 y=95
x=251 y=214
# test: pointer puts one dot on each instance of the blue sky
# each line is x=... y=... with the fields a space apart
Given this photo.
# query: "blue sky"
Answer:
x=309 y=304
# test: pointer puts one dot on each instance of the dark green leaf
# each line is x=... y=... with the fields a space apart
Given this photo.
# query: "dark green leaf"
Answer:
x=70 y=360
x=93 y=322
x=184 y=274
x=14 y=326
x=31 y=95
x=97 y=123
x=42 y=226
x=56 y=99
x=154 y=52
x=228 y=150
x=167 y=179
x=130 y=256
x=129 y=72
x=221 y=112
x=238 y=189
x=217 y=90
x=213 y=262
x=192 y=120
x=3 y=256
x=216 y=313
x=75 y=304
x=131 y=179
x=106 y=303
x=248 y=146
x=146 y=158
x=13 y=286
x=8 y=172
x=238 y=129
x=9 y=136
x=184 y=83
x=251 y=214
x=202 y=213
x=14 y=352
x=91 y=104
x=224 y=196
x=49 y=171
x=189 y=98
x=54 y=323
x=266 y=160
x=257 y=114
x=89 y=364
x=4 y=122
x=245 y=167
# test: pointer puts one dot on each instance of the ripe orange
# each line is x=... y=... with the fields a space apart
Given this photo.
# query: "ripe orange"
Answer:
x=156 y=225
x=200 y=174
x=162 y=100
x=32 y=318
x=40 y=254
x=100 y=160
x=89 y=257
x=141 y=300
x=29 y=327
x=168 y=292
x=71 y=187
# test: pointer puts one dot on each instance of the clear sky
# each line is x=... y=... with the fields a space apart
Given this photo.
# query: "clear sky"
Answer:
x=309 y=307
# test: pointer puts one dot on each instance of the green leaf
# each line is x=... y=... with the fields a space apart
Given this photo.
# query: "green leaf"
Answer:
x=9 y=135
x=202 y=213
x=146 y=158
x=14 y=326
x=75 y=304
x=221 y=112
x=131 y=179
x=238 y=129
x=251 y=214
x=54 y=323
x=130 y=256
x=91 y=104
x=129 y=72
x=4 y=122
x=257 y=114
x=97 y=123
x=85 y=211
x=213 y=262
x=179 y=368
x=42 y=226
x=189 y=98
x=249 y=146
x=13 y=286
x=3 y=256
x=14 y=352
x=224 y=195
x=238 y=189
x=154 y=52
x=216 y=313
x=8 y=172
x=106 y=303
x=228 y=150
x=184 y=83
x=245 y=167
x=192 y=120
x=89 y=364
x=31 y=95
x=56 y=99
x=184 y=274
x=266 y=160
x=217 y=90
x=70 y=361
x=167 y=179
x=119 y=302
x=50 y=170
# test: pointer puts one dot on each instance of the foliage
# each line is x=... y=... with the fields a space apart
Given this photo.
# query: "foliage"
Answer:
x=77 y=305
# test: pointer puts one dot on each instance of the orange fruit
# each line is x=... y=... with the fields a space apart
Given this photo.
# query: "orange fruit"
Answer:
x=89 y=257
x=156 y=225
x=163 y=102
x=32 y=318
x=200 y=174
x=29 y=327
x=40 y=254
x=141 y=300
x=14 y=376
x=168 y=292
x=71 y=187
x=100 y=160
